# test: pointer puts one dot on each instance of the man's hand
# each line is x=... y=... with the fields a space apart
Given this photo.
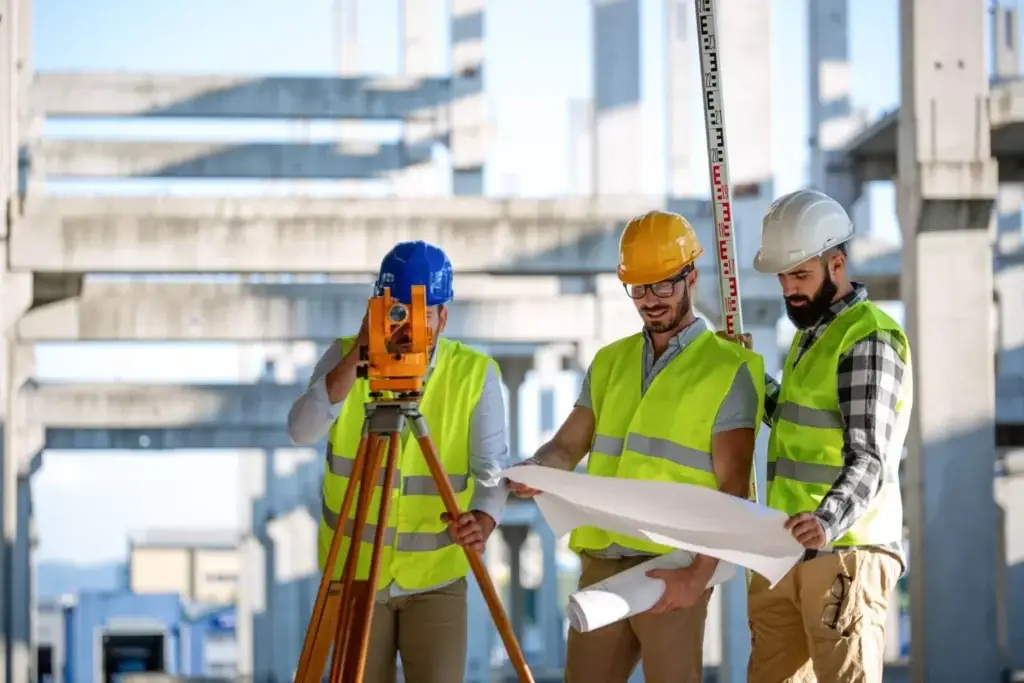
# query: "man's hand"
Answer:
x=522 y=490
x=744 y=340
x=808 y=530
x=363 y=337
x=683 y=588
x=471 y=530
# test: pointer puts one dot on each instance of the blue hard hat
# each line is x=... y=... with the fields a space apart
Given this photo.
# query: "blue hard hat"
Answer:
x=416 y=263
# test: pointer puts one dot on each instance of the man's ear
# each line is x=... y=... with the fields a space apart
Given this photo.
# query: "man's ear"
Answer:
x=442 y=318
x=836 y=263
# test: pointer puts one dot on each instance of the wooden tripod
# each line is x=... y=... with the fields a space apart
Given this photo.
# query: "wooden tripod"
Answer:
x=343 y=610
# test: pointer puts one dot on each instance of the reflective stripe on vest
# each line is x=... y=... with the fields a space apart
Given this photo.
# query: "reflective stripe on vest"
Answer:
x=654 y=448
x=418 y=552
x=805 y=452
x=665 y=434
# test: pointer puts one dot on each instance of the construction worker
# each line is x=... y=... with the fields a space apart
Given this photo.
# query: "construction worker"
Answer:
x=420 y=612
x=671 y=403
x=838 y=421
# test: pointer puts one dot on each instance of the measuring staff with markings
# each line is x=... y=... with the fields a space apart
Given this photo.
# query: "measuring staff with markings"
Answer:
x=673 y=403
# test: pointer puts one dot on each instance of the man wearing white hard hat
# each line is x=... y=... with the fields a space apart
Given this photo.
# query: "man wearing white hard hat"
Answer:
x=839 y=420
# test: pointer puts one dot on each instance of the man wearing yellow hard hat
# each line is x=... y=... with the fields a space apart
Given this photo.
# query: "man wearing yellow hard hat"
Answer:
x=675 y=403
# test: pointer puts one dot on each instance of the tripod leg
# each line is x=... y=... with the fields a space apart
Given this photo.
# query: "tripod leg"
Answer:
x=362 y=643
x=476 y=561
x=314 y=656
x=366 y=488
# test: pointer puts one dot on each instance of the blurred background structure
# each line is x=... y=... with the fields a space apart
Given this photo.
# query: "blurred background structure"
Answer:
x=187 y=222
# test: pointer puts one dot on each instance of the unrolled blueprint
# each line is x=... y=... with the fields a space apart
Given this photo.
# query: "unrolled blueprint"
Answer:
x=693 y=518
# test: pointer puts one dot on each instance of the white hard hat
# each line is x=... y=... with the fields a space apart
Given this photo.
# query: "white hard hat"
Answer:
x=800 y=226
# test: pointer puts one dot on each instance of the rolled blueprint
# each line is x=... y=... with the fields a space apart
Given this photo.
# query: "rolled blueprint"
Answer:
x=631 y=592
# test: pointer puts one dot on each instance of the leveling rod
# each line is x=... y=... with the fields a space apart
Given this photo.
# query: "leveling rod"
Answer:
x=718 y=172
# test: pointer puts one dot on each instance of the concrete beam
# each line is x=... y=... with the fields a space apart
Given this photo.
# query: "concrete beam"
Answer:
x=167 y=439
x=130 y=406
x=320 y=235
x=133 y=158
x=488 y=309
x=110 y=94
x=577 y=236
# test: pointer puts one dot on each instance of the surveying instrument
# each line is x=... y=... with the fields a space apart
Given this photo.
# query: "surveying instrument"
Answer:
x=396 y=356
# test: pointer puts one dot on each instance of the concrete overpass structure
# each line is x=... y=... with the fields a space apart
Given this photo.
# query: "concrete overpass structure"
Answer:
x=52 y=242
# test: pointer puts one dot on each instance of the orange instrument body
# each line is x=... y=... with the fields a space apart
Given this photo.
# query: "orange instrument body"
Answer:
x=397 y=352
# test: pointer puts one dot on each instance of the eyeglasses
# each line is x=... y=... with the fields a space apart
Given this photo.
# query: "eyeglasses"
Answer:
x=662 y=290
x=832 y=610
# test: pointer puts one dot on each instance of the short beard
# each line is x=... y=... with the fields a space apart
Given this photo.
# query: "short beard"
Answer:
x=682 y=308
x=813 y=308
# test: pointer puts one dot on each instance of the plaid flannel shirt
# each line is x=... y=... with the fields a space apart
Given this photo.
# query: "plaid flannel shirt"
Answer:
x=868 y=382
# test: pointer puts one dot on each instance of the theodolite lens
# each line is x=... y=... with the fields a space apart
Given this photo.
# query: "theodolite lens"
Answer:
x=398 y=314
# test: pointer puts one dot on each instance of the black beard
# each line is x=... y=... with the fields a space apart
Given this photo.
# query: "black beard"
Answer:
x=677 y=317
x=814 y=308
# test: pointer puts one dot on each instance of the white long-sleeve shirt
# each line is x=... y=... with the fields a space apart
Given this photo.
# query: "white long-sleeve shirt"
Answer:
x=312 y=415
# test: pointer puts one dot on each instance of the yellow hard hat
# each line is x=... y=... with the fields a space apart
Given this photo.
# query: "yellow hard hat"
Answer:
x=656 y=246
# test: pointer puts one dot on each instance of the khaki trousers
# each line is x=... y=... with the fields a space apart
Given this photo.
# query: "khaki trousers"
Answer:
x=670 y=645
x=427 y=630
x=825 y=621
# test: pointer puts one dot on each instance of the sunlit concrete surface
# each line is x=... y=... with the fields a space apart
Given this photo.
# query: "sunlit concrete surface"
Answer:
x=504 y=310
x=183 y=160
x=112 y=94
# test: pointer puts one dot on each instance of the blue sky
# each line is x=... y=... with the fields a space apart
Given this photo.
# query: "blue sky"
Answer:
x=537 y=60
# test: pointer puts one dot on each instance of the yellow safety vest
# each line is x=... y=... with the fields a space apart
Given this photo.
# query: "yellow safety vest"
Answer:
x=417 y=551
x=805 y=452
x=665 y=434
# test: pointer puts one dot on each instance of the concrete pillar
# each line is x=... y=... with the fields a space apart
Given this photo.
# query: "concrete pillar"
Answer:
x=550 y=605
x=346 y=56
x=252 y=588
x=515 y=537
x=580 y=148
x=468 y=124
x=618 y=142
x=1006 y=66
x=262 y=552
x=513 y=374
x=1005 y=41
x=760 y=319
x=947 y=182
x=420 y=48
x=831 y=119
x=744 y=28
x=24 y=587
x=22 y=442
x=681 y=66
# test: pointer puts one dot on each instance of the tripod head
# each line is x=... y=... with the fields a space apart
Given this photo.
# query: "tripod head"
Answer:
x=397 y=352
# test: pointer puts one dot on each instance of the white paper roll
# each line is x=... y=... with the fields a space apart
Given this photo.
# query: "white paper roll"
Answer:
x=631 y=592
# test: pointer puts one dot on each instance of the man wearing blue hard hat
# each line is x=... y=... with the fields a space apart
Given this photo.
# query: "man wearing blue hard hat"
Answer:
x=420 y=612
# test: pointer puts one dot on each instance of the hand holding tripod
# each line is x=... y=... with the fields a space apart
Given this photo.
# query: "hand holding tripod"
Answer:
x=343 y=610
